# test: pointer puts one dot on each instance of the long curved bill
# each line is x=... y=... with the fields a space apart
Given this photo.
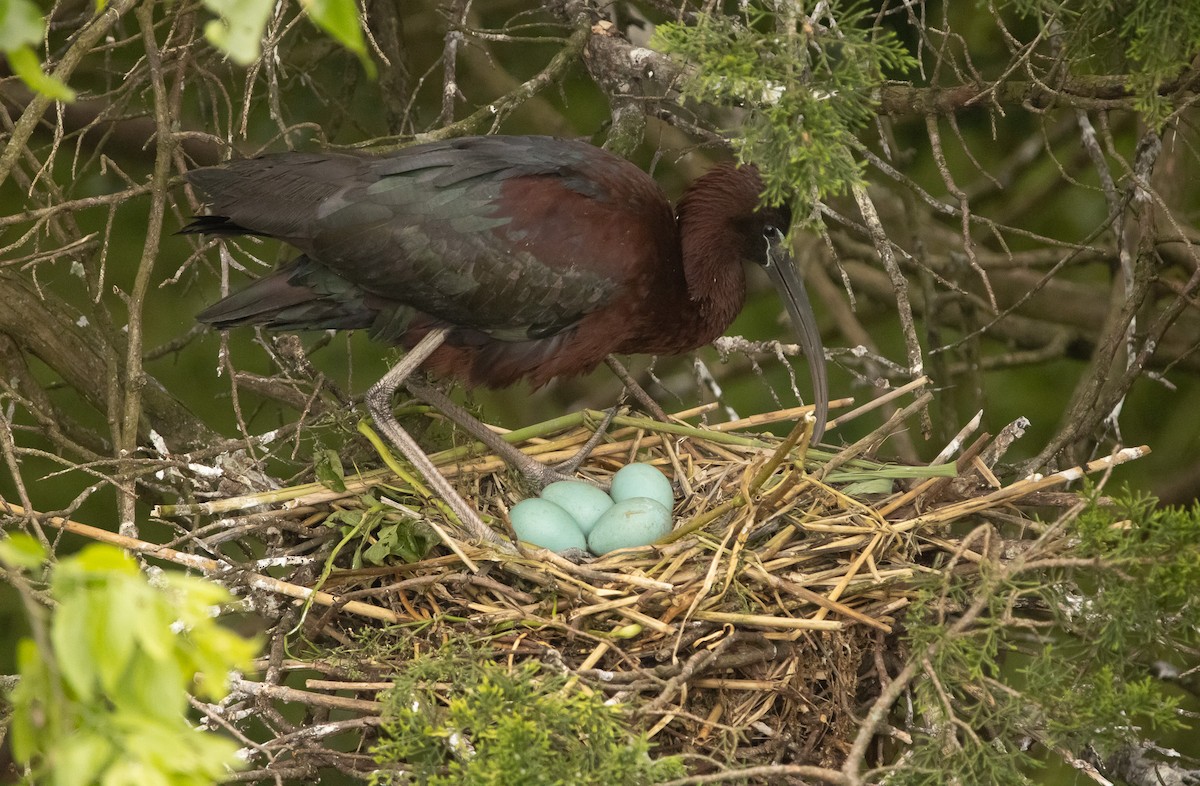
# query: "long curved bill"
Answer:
x=781 y=267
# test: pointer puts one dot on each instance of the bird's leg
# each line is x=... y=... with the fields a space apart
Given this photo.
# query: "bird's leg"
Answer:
x=572 y=464
x=379 y=404
x=650 y=405
x=639 y=394
x=538 y=473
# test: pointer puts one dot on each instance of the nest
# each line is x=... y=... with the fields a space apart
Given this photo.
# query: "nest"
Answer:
x=753 y=633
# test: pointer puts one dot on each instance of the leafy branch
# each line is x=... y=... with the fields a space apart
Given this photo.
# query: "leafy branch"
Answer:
x=105 y=680
x=806 y=86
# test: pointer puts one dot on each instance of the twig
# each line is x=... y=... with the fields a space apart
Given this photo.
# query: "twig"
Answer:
x=214 y=568
x=80 y=47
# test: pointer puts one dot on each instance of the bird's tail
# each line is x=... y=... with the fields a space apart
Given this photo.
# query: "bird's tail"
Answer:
x=291 y=298
x=215 y=225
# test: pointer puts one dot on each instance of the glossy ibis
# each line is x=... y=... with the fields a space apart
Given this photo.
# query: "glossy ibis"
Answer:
x=501 y=258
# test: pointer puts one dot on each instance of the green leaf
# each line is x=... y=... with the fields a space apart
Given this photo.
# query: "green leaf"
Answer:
x=20 y=24
x=330 y=472
x=381 y=549
x=26 y=65
x=136 y=772
x=101 y=559
x=339 y=18
x=69 y=635
x=108 y=705
x=213 y=653
x=152 y=627
x=873 y=486
x=114 y=636
x=415 y=542
x=20 y=550
x=350 y=520
x=28 y=698
x=79 y=758
x=239 y=31
x=169 y=753
x=408 y=540
x=156 y=689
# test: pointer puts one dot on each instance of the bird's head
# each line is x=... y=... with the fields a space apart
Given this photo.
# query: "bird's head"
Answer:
x=761 y=228
x=725 y=207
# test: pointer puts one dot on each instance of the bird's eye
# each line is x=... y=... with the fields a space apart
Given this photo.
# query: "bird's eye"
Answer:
x=771 y=232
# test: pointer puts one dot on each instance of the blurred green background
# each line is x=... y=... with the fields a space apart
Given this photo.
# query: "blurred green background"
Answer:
x=1050 y=190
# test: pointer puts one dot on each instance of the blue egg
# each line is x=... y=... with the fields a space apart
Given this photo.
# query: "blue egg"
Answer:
x=642 y=480
x=583 y=501
x=545 y=524
x=638 y=521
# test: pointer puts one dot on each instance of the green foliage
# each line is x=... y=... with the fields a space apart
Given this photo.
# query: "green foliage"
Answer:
x=805 y=86
x=1083 y=682
x=103 y=698
x=505 y=726
x=407 y=540
x=1155 y=40
x=1149 y=597
x=1161 y=37
x=381 y=533
x=339 y=18
x=964 y=662
x=1102 y=707
x=329 y=470
x=20 y=23
x=23 y=553
x=21 y=29
x=238 y=30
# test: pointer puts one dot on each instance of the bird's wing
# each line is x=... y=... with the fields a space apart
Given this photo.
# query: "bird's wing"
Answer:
x=517 y=237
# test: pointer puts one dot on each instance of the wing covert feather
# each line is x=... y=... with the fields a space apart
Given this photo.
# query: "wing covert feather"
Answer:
x=474 y=232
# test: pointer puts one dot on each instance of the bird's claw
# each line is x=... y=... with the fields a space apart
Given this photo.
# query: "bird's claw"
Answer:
x=547 y=475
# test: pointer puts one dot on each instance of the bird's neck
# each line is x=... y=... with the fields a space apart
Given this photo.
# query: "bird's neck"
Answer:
x=711 y=248
x=715 y=281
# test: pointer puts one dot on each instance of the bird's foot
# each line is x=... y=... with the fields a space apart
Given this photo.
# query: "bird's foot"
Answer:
x=539 y=475
x=569 y=467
